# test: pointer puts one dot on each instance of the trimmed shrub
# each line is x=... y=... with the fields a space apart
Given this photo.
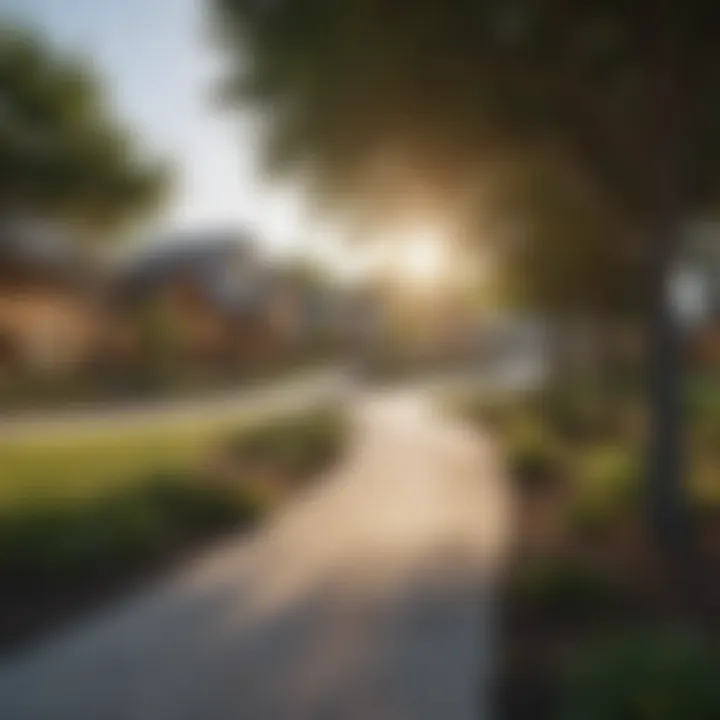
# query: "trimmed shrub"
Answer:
x=494 y=414
x=534 y=456
x=198 y=506
x=644 y=676
x=295 y=447
x=60 y=543
x=609 y=488
x=47 y=544
x=577 y=414
x=566 y=585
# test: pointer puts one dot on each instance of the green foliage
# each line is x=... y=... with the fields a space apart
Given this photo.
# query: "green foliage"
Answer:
x=85 y=466
x=705 y=488
x=565 y=259
x=565 y=585
x=60 y=543
x=609 y=488
x=494 y=414
x=703 y=408
x=611 y=470
x=375 y=96
x=199 y=504
x=576 y=412
x=62 y=154
x=161 y=338
x=296 y=446
x=703 y=397
x=535 y=454
x=644 y=676
x=535 y=457
x=71 y=510
x=394 y=106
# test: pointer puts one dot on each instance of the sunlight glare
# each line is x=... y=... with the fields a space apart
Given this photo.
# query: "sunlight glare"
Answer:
x=423 y=259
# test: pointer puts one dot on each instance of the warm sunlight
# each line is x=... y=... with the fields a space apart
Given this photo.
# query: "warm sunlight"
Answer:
x=418 y=258
x=423 y=259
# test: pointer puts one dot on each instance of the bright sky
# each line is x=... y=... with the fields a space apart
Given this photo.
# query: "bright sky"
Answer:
x=160 y=65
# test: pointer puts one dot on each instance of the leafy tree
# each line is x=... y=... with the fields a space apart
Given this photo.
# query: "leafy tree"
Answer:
x=562 y=255
x=399 y=104
x=559 y=246
x=63 y=155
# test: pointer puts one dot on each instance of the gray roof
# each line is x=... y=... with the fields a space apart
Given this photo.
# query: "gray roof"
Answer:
x=225 y=264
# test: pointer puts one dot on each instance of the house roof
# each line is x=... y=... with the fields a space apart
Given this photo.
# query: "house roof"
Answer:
x=227 y=267
x=194 y=252
x=224 y=264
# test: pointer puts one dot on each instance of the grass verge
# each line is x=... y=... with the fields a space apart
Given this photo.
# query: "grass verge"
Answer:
x=83 y=517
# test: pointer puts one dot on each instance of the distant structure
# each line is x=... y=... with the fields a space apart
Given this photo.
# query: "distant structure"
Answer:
x=48 y=320
x=201 y=301
x=225 y=302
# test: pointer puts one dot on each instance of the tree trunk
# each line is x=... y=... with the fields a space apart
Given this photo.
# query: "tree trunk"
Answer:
x=666 y=496
x=670 y=165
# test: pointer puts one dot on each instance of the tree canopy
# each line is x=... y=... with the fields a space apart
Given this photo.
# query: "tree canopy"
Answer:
x=574 y=115
x=560 y=248
x=407 y=105
x=63 y=153
x=388 y=99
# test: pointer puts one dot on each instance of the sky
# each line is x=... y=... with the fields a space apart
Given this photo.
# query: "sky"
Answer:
x=160 y=66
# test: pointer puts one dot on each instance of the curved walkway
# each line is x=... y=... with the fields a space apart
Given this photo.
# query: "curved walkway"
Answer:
x=367 y=599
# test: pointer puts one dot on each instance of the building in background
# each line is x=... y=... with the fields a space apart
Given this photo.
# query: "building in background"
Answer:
x=211 y=298
x=50 y=320
x=194 y=305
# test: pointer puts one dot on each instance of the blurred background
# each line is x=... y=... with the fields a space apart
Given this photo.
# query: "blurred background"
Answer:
x=222 y=223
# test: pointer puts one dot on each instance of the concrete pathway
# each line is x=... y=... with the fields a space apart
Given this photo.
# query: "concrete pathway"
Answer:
x=367 y=599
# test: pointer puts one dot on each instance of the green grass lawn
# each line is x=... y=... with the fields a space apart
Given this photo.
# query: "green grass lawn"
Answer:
x=102 y=503
x=89 y=465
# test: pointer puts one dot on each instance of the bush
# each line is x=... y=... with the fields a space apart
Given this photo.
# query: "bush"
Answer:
x=535 y=457
x=703 y=399
x=494 y=414
x=566 y=585
x=198 y=506
x=577 y=414
x=295 y=447
x=56 y=545
x=646 y=676
x=609 y=488
x=62 y=542
x=48 y=540
x=705 y=503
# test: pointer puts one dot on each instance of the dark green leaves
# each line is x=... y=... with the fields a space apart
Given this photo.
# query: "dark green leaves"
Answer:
x=62 y=154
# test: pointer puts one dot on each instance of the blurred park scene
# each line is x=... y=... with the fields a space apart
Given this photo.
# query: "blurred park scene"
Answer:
x=360 y=360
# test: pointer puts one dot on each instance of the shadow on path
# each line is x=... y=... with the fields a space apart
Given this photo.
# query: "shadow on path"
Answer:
x=369 y=598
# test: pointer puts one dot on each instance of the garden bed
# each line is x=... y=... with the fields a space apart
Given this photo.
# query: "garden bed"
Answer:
x=85 y=520
x=595 y=623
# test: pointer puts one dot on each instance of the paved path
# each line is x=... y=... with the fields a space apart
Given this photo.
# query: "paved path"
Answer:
x=366 y=600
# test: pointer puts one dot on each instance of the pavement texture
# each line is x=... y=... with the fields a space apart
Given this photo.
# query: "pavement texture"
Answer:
x=369 y=598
